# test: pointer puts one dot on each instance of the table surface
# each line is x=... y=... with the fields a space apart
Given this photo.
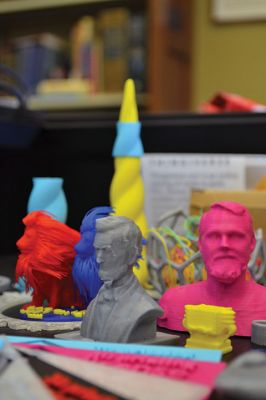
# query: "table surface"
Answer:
x=240 y=344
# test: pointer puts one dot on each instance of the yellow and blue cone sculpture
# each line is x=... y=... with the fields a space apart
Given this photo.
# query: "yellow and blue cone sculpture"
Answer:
x=127 y=189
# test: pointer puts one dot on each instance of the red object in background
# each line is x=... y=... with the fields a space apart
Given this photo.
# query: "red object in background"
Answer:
x=64 y=388
x=230 y=102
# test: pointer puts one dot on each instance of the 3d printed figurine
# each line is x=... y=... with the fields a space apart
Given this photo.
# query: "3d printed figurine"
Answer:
x=127 y=189
x=210 y=327
x=172 y=258
x=86 y=268
x=226 y=240
x=47 y=254
x=122 y=311
x=244 y=378
x=47 y=195
x=258 y=335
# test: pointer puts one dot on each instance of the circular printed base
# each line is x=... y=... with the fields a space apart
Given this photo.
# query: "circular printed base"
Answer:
x=48 y=314
x=11 y=303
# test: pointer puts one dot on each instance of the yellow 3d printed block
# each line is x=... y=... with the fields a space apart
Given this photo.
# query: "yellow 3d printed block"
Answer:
x=209 y=326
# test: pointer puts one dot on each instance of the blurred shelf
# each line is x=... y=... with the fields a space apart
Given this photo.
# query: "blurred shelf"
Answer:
x=12 y=6
x=75 y=102
x=168 y=46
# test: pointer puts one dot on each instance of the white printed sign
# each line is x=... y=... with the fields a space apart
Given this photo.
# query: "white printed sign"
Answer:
x=169 y=178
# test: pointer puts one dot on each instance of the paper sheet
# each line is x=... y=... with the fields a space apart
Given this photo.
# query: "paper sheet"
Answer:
x=201 y=372
x=169 y=178
x=152 y=350
x=125 y=383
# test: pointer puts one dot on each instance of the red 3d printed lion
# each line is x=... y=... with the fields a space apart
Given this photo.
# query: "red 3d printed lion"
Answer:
x=45 y=261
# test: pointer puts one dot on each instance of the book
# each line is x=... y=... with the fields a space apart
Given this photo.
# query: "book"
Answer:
x=137 y=50
x=39 y=57
x=86 y=53
x=82 y=38
x=63 y=86
x=113 y=24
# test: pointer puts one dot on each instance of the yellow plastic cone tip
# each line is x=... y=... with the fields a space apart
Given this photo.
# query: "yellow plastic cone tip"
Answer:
x=129 y=109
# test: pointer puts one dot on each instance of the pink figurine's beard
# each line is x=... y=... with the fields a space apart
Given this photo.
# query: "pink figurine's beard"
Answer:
x=225 y=269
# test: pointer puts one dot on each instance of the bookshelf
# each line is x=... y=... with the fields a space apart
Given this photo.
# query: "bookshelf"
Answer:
x=15 y=6
x=167 y=48
x=81 y=102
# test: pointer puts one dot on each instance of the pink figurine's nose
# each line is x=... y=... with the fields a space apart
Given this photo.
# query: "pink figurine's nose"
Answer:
x=224 y=241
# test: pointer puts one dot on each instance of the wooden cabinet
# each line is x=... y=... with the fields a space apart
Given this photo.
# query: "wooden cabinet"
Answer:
x=168 y=45
x=169 y=49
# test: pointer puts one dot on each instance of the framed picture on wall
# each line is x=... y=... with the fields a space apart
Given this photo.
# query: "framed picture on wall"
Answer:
x=238 y=10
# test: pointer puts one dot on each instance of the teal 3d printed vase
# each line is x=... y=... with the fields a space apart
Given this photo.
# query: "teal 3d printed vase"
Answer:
x=47 y=194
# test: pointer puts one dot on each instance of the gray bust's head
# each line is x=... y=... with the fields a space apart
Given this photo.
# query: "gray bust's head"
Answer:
x=118 y=246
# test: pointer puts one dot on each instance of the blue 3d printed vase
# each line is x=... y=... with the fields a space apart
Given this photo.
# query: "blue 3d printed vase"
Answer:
x=47 y=194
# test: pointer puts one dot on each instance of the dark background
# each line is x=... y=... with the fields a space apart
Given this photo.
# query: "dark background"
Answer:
x=77 y=146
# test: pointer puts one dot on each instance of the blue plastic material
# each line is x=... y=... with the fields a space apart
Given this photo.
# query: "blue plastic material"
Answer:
x=20 y=285
x=85 y=268
x=48 y=195
x=128 y=142
x=148 y=350
x=50 y=317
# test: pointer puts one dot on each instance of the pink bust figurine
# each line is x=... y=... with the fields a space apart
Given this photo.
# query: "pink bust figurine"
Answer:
x=226 y=241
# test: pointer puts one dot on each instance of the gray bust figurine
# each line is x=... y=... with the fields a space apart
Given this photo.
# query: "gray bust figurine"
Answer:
x=122 y=311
